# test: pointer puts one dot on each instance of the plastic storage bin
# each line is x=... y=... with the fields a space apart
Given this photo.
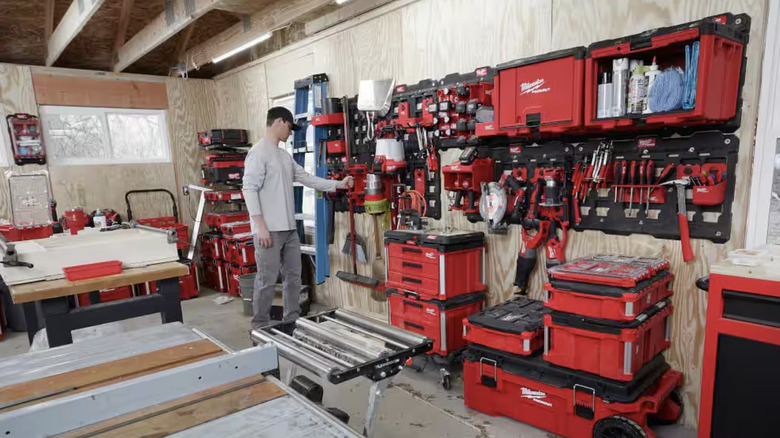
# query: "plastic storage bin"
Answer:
x=514 y=326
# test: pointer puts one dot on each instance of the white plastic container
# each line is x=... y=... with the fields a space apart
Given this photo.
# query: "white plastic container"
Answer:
x=604 y=104
x=637 y=91
x=619 y=86
x=650 y=74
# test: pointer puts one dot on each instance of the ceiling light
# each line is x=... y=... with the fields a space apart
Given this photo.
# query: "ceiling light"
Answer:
x=341 y=2
x=244 y=46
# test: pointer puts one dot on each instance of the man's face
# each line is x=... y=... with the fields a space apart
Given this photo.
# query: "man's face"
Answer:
x=284 y=129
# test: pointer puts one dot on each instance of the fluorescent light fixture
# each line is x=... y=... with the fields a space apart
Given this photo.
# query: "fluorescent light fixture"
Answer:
x=341 y=2
x=244 y=46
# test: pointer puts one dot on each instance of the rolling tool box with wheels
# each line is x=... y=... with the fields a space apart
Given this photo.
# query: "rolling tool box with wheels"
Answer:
x=164 y=222
x=514 y=326
x=435 y=319
x=612 y=349
x=434 y=264
x=569 y=403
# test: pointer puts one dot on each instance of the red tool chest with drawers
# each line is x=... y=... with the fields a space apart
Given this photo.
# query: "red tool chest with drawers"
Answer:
x=541 y=94
x=441 y=321
x=234 y=228
x=565 y=402
x=435 y=264
x=611 y=349
x=514 y=326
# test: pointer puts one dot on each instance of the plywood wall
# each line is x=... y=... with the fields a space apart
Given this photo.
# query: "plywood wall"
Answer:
x=430 y=38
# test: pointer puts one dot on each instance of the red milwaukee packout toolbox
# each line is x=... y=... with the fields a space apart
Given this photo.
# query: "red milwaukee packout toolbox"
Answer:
x=441 y=321
x=216 y=219
x=224 y=160
x=215 y=274
x=234 y=228
x=607 y=302
x=188 y=284
x=105 y=295
x=719 y=79
x=541 y=94
x=223 y=137
x=233 y=274
x=12 y=233
x=565 y=402
x=435 y=264
x=224 y=196
x=514 y=326
x=240 y=249
x=211 y=245
x=168 y=222
x=609 y=270
x=611 y=349
x=229 y=175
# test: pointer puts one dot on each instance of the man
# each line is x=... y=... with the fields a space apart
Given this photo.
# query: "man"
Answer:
x=269 y=173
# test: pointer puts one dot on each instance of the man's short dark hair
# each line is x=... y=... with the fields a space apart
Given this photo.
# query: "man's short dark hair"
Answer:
x=280 y=112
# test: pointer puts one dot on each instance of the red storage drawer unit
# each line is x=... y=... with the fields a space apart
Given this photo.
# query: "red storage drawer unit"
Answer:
x=234 y=228
x=224 y=196
x=435 y=264
x=240 y=249
x=211 y=246
x=607 y=302
x=105 y=295
x=542 y=94
x=718 y=80
x=234 y=272
x=441 y=321
x=215 y=275
x=611 y=349
x=565 y=402
x=514 y=326
x=215 y=219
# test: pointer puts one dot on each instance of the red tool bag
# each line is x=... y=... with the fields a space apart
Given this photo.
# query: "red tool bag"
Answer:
x=234 y=273
x=434 y=264
x=611 y=349
x=215 y=274
x=164 y=222
x=514 y=326
x=240 y=249
x=216 y=219
x=235 y=228
x=565 y=402
x=608 y=302
x=105 y=295
x=441 y=321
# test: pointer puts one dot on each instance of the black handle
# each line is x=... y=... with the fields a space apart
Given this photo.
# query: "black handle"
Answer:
x=411 y=324
x=414 y=250
x=411 y=280
x=412 y=265
x=413 y=304
x=703 y=283
x=458 y=199
x=173 y=201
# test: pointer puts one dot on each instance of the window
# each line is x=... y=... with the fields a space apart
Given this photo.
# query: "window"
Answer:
x=86 y=135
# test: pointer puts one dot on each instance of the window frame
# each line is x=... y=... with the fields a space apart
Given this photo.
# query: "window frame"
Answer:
x=103 y=113
x=6 y=151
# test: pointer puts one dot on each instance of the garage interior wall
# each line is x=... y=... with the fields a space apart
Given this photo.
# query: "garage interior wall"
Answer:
x=412 y=40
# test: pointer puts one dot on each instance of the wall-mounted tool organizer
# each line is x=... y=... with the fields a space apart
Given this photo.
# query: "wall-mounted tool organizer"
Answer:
x=629 y=198
x=26 y=140
x=464 y=178
x=462 y=101
x=680 y=76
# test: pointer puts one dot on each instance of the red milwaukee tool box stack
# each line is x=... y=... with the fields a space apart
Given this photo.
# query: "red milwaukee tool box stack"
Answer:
x=710 y=54
x=215 y=274
x=239 y=249
x=514 y=326
x=188 y=284
x=434 y=264
x=435 y=319
x=234 y=228
x=223 y=137
x=216 y=219
x=539 y=95
x=224 y=196
x=566 y=402
x=211 y=245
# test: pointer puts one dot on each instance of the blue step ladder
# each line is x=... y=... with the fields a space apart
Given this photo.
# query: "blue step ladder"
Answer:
x=310 y=95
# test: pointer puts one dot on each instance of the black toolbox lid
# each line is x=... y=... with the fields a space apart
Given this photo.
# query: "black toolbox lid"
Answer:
x=454 y=240
x=517 y=316
x=576 y=52
x=609 y=291
x=458 y=301
x=606 y=325
x=536 y=368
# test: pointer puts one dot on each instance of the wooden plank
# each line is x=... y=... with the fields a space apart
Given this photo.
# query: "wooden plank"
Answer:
x=184 y=41
x=48 y=20
x=159 y=30
x=69 y=91
x=121 y=29
x=272 y=17
x=72 y=382
x=244 y=7
x=77 y=15
x=186 y=412
x=346 y=12
x=25 y=293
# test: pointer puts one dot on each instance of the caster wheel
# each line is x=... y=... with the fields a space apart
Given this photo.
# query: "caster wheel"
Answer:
x=446 y=382
x=618 y=427
x=670 y=410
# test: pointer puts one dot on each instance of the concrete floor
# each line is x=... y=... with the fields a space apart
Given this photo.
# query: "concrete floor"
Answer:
x=415 y=405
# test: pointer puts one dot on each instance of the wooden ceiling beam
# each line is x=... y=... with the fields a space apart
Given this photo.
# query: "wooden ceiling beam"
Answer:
x=244 y=7
x=184 y=41
x=78 y=14
x=345 y=12
x=121 y=30
x=177 y=15
x=274 y=16
x=48 y=20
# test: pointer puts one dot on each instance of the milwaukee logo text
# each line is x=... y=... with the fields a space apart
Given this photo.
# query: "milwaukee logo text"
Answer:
x=537 y=396
x=534 y=87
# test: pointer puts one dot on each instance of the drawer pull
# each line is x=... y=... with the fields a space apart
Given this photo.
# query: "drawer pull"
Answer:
x=411 y=265
x=413 y=325
x=414 y=250
x=412 y=304
x=411 y=280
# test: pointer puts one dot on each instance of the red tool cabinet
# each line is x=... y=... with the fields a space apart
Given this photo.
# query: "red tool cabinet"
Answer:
x=565 y=402
x=441 y=321
x=607 y=302
x=740 y=379
x=542 y=94
x=435 y=264
x=514 y=326
x=615 y=350
x=719 y=77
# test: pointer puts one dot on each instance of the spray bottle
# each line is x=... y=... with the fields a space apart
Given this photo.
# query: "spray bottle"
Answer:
x=651 y=74
x=637 y=91
x=619 y=86
x=604 y=104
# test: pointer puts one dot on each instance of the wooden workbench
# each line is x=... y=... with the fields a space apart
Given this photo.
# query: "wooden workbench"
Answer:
x=60 y=322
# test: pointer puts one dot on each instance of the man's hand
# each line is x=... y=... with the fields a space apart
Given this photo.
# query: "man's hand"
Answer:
x=261 y=229
x=347 y=183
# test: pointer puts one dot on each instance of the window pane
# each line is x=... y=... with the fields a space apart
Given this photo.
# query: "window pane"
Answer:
x=137 y=136
x=74 y=136
x=773 y=230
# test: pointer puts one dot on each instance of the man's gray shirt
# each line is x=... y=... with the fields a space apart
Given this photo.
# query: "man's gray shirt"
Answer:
x=269 y=173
